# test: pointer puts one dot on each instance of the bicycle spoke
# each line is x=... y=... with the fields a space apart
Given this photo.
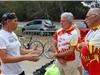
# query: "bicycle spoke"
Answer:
x=48 y=51
x=37 y=46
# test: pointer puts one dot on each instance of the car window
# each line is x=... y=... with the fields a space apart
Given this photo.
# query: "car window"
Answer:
x=37 y=22
x=30 y=23
x=34 y=23
x=80 y=24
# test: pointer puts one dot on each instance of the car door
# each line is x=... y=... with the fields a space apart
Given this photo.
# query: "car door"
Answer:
x=35 y=25
x=29 y=26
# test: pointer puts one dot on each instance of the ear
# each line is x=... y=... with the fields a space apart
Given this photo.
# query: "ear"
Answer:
x=96 y=19
x=8 y=21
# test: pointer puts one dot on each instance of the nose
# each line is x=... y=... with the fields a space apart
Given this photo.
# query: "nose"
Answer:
x=16 y=22
x=86 y=20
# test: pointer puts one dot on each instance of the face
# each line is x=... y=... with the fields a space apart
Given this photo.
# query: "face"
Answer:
x=91 y=19
x=65 y=23
x=13 y=24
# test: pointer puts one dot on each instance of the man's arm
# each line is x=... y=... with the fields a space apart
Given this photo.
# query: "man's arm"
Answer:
x=24 y=51
x=67 y=52
x=54 y=46
x=55 y=49
x=70 y=51
x=10 y=59
x=56 y=53
x=3 y=53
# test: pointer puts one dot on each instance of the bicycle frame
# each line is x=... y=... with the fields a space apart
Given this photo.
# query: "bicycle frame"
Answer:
x=27 y=46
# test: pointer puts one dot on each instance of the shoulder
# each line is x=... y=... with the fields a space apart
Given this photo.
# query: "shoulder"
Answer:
x=59 y=31
x=75 y=31
x=2 y=33
x=97 y=34
x=14 y=35
x=98 y=31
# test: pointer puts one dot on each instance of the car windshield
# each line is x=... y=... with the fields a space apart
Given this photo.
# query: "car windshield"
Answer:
x=34 y=23
x=80 y=24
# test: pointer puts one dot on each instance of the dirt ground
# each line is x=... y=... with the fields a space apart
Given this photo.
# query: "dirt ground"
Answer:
x=29 y=67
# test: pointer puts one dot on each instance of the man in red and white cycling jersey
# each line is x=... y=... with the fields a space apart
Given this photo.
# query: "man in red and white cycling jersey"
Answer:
x=66 y=39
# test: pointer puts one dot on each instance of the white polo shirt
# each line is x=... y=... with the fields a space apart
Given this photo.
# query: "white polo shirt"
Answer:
x=9 y=41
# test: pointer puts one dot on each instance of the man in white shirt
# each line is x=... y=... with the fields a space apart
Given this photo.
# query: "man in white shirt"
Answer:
x=9 y=43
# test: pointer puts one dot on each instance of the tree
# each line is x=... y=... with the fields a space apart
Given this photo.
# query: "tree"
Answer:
x=29 y=10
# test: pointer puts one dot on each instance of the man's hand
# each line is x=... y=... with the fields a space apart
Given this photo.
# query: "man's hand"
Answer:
x=31 y=57
x=61 y=61
x=61 y=54
x=32 y=51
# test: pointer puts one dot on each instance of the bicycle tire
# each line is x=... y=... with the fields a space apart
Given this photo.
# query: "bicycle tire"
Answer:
x=48 y=51
x=40 y=46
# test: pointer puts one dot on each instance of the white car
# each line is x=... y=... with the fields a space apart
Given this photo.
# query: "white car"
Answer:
x=39 y=25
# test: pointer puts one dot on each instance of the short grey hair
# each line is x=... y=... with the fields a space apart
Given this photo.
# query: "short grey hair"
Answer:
x=95 y=11
x=67 y=15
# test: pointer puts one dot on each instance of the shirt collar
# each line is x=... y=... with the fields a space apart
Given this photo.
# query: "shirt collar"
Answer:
x=70 y=29
x=96 y=27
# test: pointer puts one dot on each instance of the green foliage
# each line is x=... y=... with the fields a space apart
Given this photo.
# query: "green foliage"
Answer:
x=29 y=10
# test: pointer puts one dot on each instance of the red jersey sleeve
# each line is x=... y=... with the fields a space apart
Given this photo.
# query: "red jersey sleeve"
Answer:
x=55 y=37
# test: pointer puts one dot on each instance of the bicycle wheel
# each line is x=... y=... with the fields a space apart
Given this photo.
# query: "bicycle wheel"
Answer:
x=48 y=51
x=37 y=47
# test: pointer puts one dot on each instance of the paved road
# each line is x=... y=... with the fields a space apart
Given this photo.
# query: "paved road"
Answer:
x=29 y=67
